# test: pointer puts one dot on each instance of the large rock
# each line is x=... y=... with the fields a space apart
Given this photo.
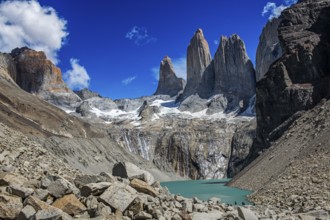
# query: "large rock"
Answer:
x=94 y=189
x=301 y=77
x=27 y=213
x=143 y=187
x=234 y=72
x=246 y=214
x=198 y=59
x=131 y=171
x=269 y=48
x=38 y=75
x=69 y=204
x=19 y=191
x=169 y=83
x=10 y=206
x=45 y=211
x=61 y=187
x=119 y=196
x=7 y=179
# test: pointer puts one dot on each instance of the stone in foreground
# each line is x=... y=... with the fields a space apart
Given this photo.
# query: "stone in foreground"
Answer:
x=119 y=196
x=10 y=206
x=94 y=189
x=69 y=204
x=246 y=214
x=143 y=187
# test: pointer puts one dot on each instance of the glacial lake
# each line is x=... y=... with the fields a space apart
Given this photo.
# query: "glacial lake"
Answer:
x=205 y=189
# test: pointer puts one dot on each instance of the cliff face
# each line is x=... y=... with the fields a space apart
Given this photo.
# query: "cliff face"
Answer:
x=198 y=59
x=38 y=75
x=169 y=83
x=300 y=78
x=269 y=48
x=234 y=72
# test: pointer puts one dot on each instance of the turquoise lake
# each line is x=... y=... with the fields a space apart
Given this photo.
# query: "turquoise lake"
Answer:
x=205 y=189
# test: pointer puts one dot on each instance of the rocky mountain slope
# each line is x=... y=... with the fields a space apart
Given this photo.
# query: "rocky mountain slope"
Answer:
x=293 y=117
x=300 y=78
x=36 y=184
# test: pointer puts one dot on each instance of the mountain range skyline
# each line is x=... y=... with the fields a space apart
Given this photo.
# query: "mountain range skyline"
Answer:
x=116 y=50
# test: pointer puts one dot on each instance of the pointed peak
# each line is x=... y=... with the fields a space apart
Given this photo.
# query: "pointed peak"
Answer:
x=199 y=32
x=166 y=58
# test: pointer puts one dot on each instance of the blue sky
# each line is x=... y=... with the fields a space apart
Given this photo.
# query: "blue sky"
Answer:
x=115 y=46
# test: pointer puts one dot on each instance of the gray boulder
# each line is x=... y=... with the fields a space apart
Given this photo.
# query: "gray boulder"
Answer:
x=94 y=189
x=246 y=214
x=131 y=171
x=119 y=196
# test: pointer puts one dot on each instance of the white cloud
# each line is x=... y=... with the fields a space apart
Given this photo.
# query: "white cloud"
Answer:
x=27 y=23
x=179 y=65
x=216 y=42
x=140 y=36
x=274 y=11
x=128 y=80
x=77 y=78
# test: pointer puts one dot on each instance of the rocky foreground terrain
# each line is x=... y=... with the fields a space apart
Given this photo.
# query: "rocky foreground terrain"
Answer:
x=36 y=184
x=78 y=155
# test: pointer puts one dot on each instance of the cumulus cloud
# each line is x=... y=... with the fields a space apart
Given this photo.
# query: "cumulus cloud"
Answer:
x=128 y=80
x=179 y=65
x=27 y=23
x=274 y=11
x=140 y=36
x=77 y=78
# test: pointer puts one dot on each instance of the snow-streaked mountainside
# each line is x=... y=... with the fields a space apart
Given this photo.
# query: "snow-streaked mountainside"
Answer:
x=162 y=106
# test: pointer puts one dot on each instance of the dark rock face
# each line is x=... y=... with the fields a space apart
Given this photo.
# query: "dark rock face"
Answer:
x=234 y=72
x=35 y=73
x=169 y=83
x=301 y=77
x=269 y=48
x=198 y=59
x=87 y=94
x=240 y=147
x=38 y=75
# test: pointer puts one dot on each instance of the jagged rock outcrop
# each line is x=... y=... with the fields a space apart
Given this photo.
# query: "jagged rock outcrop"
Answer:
x=87 y=94
x=169 y=83
x=269 y=48
x=38 y=75
x=301 y=77
x=198 y=59
x=234 y=72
